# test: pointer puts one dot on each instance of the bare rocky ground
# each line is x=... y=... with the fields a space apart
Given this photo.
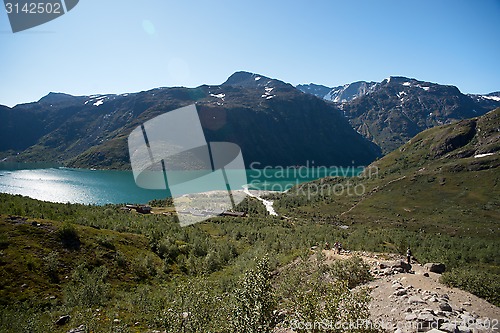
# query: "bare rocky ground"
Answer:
x=416 y=301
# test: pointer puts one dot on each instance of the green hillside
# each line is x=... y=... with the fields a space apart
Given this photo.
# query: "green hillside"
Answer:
x=117 y=271
x=439 y=193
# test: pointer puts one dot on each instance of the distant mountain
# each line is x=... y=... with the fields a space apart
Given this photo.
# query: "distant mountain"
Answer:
x=391 y=112
x=314 y=89
x=340 y=94
x=399 y=108
x=488 y=101
x=351 y=91
x=273 y=123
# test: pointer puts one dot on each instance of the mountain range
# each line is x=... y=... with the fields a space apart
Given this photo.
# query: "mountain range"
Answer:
x=273 y=122
x=391 y=112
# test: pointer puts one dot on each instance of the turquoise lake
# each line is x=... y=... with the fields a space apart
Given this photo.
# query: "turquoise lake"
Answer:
x=100 y=187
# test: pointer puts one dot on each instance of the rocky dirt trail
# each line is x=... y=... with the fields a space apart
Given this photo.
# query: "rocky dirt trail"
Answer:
x=411 y=299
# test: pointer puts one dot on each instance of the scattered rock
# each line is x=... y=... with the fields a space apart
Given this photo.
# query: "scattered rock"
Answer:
x=466 y=304
x=445 y=307
x=400 y=292
x=463 y=329
x=401 y=264
x=62 y=320
x=427 y=317
x=116 y=321
x=428 y=311
x=410 y=317
x=79 y=329
x=426 y=274
x=435 y=331
x=415 y=300
x=435 y=267
x=448 y=327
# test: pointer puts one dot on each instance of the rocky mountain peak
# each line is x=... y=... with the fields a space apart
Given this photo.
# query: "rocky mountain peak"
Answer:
x=55 y=97
x=253 y=80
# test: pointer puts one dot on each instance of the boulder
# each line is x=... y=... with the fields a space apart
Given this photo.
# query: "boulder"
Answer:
x=426 y=316
x=435 y=267
x=415 y=300
x=401 y=264
x=445 y=307
x=400 y=292
x=63 y=320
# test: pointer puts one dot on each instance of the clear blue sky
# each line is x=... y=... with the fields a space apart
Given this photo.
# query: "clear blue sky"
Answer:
x=106 y=46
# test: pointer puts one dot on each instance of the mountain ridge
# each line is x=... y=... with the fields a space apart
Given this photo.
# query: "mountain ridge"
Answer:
x=260 y=114
x=91 y=131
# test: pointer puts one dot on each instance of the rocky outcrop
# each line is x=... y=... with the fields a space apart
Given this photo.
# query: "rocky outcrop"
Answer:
x=435 y=267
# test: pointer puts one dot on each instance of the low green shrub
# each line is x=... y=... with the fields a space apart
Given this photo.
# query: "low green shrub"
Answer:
x=88 y=287
x=68 y=235
x=478 y=282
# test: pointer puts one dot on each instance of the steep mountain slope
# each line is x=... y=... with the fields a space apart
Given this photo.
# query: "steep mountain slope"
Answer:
x=273 y=123
x=317 y=90
x=488 y=101
x=340 y=94
x=350 y=91
x=399 y=108
x=391 y=112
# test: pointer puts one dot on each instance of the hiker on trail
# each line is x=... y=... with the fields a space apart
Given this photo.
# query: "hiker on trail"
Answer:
x=340 y=247
x=327 y=246
x=408 y=255
x=336 y=247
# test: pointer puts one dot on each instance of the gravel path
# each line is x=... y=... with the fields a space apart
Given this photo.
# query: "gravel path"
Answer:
x=416 y=301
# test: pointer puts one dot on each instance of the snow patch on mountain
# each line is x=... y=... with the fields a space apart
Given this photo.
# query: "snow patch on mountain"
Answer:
x=493 y=98
x=99 y=102
x=221 y=95
x=482 y=155
x=351 y=91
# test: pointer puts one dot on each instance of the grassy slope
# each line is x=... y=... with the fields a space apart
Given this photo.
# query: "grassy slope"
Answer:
x=431 y=194
x=152 y=264
x=27 y=244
